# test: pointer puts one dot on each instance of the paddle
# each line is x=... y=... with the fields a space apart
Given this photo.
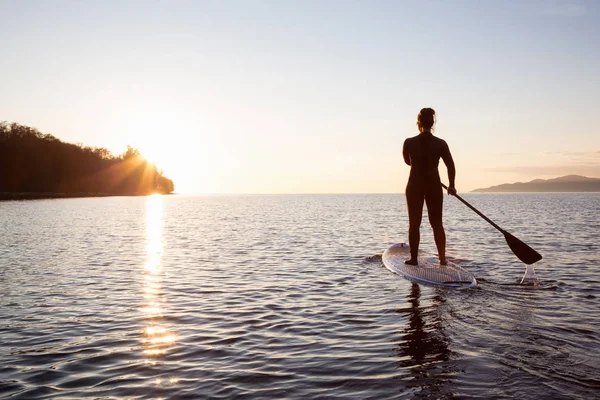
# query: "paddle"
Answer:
x=521 y=250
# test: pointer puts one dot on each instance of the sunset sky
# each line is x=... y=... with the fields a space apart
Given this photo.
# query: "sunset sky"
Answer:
x=310 y=96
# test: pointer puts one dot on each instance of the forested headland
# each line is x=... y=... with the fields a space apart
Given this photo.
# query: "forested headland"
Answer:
x=34 y=164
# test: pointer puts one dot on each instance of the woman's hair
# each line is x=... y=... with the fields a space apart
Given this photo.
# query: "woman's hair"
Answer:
x=426 y=119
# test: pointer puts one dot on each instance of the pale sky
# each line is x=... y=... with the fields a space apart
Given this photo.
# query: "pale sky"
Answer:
x=310 y=96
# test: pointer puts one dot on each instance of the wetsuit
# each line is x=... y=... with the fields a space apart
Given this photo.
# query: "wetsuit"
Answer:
x=423 y=153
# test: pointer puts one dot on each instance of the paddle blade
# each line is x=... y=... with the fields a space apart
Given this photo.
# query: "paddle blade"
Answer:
x=522 y=250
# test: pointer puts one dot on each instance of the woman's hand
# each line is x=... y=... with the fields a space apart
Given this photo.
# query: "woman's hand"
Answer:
x=452 y=190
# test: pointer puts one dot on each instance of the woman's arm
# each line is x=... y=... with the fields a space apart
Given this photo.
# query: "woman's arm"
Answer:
x=447 y=157
x=405 y=152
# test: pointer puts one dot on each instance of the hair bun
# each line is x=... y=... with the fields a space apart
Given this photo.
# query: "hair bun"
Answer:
x=426 y=119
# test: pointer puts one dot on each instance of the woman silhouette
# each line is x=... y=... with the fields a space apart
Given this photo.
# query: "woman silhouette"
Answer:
x=423 y=153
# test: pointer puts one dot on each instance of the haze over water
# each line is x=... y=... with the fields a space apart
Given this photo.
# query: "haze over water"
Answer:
x=275 y=296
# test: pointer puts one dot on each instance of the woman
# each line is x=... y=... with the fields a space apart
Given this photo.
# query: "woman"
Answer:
x=423 y=153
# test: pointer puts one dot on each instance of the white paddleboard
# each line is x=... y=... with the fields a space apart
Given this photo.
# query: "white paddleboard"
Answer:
x=429 y=271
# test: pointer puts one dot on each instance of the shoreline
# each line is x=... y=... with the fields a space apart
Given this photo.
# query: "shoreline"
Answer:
x=8 y=196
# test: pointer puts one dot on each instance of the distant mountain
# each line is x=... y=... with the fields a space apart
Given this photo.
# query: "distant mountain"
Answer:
x=569 y=183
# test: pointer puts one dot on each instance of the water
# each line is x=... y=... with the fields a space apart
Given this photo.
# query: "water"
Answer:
x=279 y=297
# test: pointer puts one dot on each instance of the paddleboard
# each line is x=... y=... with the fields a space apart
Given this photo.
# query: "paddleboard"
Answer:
x=429 y=271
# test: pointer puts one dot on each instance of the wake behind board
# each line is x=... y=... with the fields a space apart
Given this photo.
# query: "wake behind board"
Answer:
x=429 y=271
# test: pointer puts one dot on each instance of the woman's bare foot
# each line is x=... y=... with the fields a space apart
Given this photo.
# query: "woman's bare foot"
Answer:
x=411 y=262
x=443 y=261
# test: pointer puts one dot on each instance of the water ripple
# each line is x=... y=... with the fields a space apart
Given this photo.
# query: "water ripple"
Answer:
x=284 y=297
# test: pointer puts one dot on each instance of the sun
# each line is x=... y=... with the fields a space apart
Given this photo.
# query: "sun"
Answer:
x=152 y=154
x=186 y=150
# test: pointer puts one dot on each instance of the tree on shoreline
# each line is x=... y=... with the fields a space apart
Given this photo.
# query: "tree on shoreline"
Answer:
x=34 y=162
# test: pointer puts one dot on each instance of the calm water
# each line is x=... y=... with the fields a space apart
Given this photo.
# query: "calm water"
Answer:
x=276 y=297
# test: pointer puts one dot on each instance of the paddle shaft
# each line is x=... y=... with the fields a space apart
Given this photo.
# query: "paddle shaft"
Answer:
x=519 y=248
x=477 y=211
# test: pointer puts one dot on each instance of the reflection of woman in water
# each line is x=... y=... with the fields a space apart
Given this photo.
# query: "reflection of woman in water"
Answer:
x=424 y=338
x=423 y=153
x=423 y=350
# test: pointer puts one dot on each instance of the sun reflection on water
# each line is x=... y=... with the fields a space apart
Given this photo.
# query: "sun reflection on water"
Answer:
x=156 y=337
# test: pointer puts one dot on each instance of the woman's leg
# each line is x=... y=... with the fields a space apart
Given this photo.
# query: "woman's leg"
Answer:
x=435 y=202
x=414 y=203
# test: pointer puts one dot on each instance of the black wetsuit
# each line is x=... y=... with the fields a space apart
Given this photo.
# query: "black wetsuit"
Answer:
x=423 y=153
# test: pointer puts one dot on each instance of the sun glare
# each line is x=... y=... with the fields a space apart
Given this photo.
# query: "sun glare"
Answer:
x=183 y=145
x=152 y=154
